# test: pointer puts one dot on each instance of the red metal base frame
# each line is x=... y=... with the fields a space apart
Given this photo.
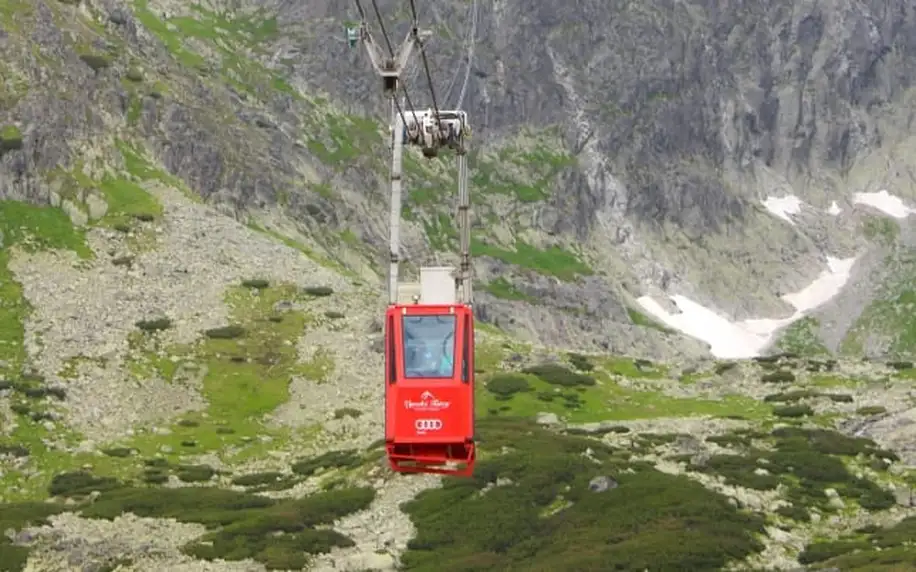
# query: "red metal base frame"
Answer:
x=432 y=458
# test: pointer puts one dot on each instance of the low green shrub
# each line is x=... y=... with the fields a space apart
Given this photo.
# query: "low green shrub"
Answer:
x=277 y=533
x=283 y=535
x=195 y=473
x=256 y=479
x=797 y=513
x=155 y=476
x=580 y=362
x=779 y=376
x=820 y=551
x=821 y=441
x=13 y=450
x=79 y=484
x=740 y=470
x=791 y=396
x=330 y=460
x=226 y=333
x=127 y=261
x=16 y=516
x=643 y=364
x=505 y=385
x=318 y=291
x=347 y=412
x=645 y=520
x=58 y=393
x=806 y=462
x=10 y=139
x=871 y=410
x=256 y=283
x=793 y=411
x=96 y=61
x=897 y=558
x=154 y=325
x=556 y=374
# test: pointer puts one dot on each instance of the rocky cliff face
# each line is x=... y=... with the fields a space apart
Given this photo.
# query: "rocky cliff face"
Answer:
x=189 y=311
x=620 y=148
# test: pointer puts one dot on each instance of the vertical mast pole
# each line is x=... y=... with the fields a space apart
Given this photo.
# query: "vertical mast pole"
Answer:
x=394 y=223
x=464 y=227
x=390 y=69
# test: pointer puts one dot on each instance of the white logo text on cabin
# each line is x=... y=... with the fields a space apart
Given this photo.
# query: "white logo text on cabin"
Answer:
x=427 y=402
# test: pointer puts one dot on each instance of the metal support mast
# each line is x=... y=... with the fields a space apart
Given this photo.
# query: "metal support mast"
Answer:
x=463 y=278
x=394 y=222
x=390 y=69
x=430 y=130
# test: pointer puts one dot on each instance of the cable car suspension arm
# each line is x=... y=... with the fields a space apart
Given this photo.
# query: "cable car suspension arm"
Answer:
x=430 y=130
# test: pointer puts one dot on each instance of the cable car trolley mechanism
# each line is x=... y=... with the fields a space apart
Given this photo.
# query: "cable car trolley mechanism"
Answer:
x=429 y=325
x=431 y=130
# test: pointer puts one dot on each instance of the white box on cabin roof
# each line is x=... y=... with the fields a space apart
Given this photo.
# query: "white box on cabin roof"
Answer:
x=437 y=285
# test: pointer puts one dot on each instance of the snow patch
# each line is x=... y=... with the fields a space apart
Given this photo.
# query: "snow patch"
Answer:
x=823 y=288
x=834 y=209
x=885 y=202
x=748 y=338
x=783 y=207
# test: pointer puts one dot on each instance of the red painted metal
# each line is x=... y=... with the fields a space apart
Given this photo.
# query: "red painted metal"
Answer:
x=429 y=389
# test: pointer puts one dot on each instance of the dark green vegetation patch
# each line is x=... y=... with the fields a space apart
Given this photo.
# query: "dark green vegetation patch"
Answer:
x=872 y=548
x=278 y=533
x=15 y=517
x=556 y=374
x=10 y=139
x=505 y=385
x=552 y=516
x=331 y=460
x=800 y=394
x=807 y=462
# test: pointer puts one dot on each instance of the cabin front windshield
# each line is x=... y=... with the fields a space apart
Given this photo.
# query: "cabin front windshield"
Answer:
x=429 y=346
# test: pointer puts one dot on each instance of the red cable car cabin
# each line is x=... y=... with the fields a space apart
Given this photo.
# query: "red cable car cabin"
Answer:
x=429 y=394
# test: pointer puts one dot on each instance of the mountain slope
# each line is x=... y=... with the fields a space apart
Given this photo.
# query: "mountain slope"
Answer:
x=266 y=407
x=583 y=202
x=193 y=219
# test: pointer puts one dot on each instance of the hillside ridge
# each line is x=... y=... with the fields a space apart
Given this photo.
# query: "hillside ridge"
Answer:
x=693 y=266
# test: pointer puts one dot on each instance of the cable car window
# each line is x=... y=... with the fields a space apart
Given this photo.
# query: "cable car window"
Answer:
x=390 y=347
x=429 y=346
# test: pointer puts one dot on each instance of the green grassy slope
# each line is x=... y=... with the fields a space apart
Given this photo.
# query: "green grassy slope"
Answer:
x=530 y=505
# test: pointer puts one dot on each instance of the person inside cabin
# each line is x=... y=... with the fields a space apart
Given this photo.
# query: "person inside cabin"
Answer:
x=436 y=362
x=429 y=346
x=446 y=361
x=429 y=361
